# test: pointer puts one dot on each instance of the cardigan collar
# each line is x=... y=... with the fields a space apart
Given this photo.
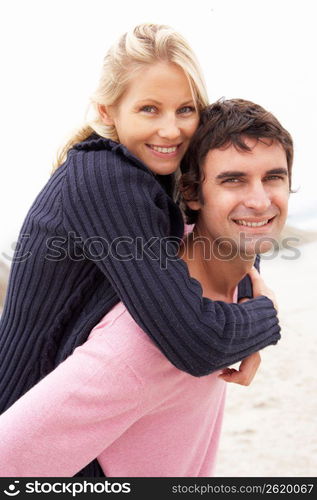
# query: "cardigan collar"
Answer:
x=96 y=142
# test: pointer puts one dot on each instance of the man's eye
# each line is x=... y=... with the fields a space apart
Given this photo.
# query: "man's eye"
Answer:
x=186 y=110
x=231 y=180
x=274 y=178
x=148 y=109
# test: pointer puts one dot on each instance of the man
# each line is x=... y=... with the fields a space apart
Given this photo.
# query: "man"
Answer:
x=117 y=397
x=235 y=186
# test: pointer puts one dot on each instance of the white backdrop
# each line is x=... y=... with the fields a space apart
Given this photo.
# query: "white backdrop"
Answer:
x=51 y=55
x=52 y=51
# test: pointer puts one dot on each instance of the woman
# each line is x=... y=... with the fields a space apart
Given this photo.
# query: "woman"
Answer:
x=101 y=230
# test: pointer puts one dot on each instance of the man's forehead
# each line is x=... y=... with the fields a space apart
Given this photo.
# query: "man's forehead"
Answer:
x=261 y=155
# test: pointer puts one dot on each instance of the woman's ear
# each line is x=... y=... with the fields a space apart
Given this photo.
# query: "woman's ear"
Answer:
x=105 y=114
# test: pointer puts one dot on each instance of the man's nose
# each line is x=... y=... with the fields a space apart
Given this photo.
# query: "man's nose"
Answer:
x=169 y=128
x=258 y=198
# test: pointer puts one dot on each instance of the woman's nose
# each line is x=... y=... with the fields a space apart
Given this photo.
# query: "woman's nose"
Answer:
x=169 y=128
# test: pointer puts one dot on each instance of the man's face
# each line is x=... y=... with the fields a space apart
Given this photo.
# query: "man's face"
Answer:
x=245 y=197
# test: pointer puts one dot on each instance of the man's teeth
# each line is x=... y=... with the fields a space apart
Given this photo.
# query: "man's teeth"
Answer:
x=164 y=150
x=252 y=224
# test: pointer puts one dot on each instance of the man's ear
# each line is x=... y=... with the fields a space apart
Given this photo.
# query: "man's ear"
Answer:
x=187 y=194
x=105 y=114
x=193 y=205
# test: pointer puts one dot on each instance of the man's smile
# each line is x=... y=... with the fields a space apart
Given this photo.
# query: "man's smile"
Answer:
x=254 y=222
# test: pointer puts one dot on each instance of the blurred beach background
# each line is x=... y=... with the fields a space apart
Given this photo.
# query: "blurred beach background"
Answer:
x=51 y=55
x=270 y=426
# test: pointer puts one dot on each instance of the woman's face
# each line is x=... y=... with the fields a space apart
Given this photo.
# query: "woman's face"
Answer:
x=156 y=116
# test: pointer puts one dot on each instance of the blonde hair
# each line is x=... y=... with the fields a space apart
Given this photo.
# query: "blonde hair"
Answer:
x=145 y=44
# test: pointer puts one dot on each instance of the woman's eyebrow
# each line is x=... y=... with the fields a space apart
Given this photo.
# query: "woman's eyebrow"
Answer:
x=155 y=101
x=191 y=101
x=148 y=99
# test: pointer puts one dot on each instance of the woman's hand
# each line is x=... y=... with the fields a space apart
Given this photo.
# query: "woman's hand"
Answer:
x=260 y=288
x=247 y=370
x=249 y=366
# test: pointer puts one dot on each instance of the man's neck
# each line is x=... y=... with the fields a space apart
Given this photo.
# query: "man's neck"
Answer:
x=218 y=275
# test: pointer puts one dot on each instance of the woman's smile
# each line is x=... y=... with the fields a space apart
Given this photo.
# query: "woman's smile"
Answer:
x=165 y=151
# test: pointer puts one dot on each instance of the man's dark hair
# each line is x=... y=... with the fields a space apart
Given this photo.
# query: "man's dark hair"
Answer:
x=225 y=123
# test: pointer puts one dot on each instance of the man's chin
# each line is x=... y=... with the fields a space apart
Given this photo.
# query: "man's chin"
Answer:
x=244 y=247
x=258 y=247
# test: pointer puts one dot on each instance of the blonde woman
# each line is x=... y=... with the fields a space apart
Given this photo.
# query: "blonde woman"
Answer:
x=105 y=229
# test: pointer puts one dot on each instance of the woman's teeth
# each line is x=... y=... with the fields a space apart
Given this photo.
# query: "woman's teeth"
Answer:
x=164 y=150
x=252 y=224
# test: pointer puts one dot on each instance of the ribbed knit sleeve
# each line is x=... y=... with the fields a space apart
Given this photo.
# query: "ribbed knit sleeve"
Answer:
x=120 y=217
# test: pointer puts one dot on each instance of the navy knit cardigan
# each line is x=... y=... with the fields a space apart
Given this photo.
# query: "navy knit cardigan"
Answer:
x=97 y=233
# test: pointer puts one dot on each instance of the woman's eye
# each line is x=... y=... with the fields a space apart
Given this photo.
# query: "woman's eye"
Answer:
x=186 y=110
x=148 y=109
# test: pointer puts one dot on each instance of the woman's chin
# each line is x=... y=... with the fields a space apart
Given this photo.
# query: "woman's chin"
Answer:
x=162 y=169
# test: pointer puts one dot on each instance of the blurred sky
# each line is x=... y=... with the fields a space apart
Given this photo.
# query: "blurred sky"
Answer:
x=51 y=56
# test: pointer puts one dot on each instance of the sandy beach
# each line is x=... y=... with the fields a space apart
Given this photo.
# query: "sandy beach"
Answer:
x=270 y=427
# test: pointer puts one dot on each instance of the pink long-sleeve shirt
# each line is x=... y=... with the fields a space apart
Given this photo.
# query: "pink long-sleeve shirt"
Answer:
x=119 y=399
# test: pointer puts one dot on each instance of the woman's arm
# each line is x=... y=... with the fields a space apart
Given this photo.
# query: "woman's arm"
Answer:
x=108 y=200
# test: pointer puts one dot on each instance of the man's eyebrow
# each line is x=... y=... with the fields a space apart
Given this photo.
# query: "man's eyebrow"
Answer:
x=277 y=171
x=236 y=173
x=230 y=173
